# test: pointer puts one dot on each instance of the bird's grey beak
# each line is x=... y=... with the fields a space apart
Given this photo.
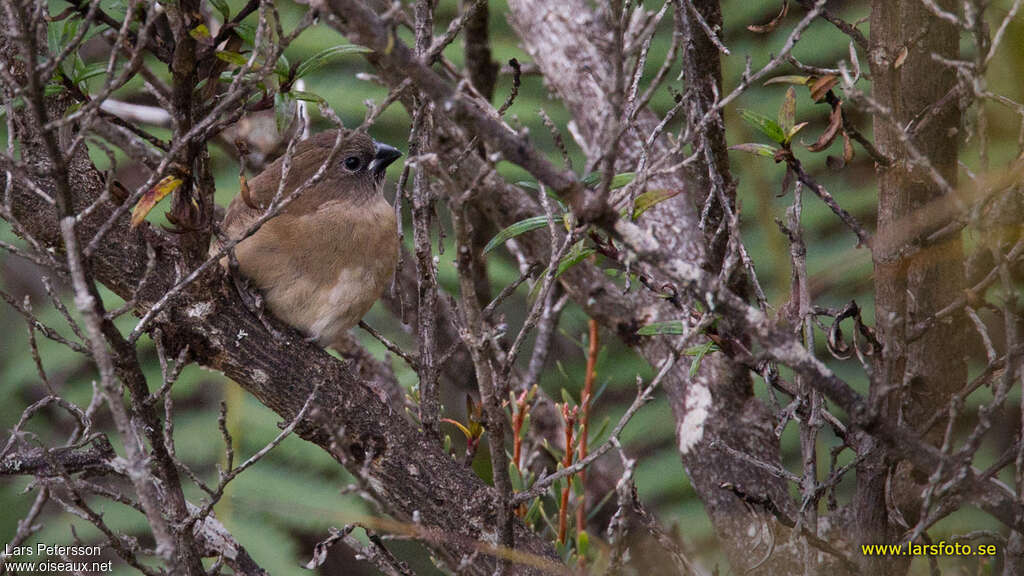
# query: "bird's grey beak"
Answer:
x=383 y=157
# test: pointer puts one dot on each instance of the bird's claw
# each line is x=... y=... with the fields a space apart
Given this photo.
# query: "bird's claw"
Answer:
x=253 y=301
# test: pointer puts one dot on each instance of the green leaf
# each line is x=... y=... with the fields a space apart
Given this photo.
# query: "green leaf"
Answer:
x=68 y=31
x=618 y=181
x=533 y=512
x=53 y=38
x=563 y=551
x=595 y=436
x=567 y=398
x=222 y=7
x=701 y=351
x=90 y=71
x=318 y=60
x=200 y=32
x=789 y=79
x=577 y=487
x=232 y=57
x=282 y=68
x=307 y=96
x=247 y=32
x=525 y=428
x=667 y=327
x=519 y=228
x=576 y=255
x=582 y=543
x=766 y=125
x=754 y=148
x=787 y=112
x=650 y=198
x=515 y=477
x=53 y=88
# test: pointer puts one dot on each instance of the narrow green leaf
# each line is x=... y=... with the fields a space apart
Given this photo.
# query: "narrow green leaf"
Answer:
x=618 y=181
x=702 y=351
x=766 y=125
x=53 y=38
x=307 y=96
x=582 y=543
x=645 y=201
x=521 y=227
x=576 y=255
x=667 y=327
x=90 y=71
x=232 y=57
x=567 y=398
x=68 y=31
x=533 y=512
x=282 y=68
x=318 y=60
x=563 y=550
x=787 y=112
x=573 y=258
x=515 y=477
x=52 y=89
x=526 y=426
x=754 y=148
x=600 y=505
x=789 y=79
x=596 y=436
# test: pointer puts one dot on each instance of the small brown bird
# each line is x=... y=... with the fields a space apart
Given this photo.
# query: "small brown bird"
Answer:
x=327 y=257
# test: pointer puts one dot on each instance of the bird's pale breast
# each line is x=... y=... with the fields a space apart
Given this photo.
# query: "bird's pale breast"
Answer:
x=326 y=268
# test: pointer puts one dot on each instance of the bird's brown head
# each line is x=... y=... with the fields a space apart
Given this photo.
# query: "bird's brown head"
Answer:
x=355 y=172
x=362 y=158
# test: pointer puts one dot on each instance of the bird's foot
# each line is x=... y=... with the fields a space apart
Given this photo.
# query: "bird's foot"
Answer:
x=253 y=301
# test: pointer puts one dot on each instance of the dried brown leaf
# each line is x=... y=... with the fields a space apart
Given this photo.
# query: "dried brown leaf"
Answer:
x=835 y=125
x=765 y=28
x=246 y=194
x=787 y=182
x=820 y=86
x=901 y=58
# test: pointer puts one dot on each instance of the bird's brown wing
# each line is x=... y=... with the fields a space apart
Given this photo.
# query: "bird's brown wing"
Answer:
x=309 y=155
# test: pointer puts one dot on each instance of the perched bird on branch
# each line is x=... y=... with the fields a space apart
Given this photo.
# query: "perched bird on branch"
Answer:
x=322 y=262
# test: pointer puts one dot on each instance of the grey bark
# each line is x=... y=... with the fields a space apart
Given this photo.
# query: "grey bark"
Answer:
x=556 y=36
x=911 y=379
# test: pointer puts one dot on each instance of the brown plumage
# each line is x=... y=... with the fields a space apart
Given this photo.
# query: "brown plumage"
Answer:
x=328 y=256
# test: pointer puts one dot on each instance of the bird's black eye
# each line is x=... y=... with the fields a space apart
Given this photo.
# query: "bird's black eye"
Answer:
x=353 y=163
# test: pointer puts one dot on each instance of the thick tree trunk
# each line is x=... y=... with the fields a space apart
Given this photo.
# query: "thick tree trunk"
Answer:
x=717 y=407
x=913 y=278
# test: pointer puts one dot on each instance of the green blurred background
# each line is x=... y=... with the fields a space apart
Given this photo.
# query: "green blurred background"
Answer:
x=285 y=503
